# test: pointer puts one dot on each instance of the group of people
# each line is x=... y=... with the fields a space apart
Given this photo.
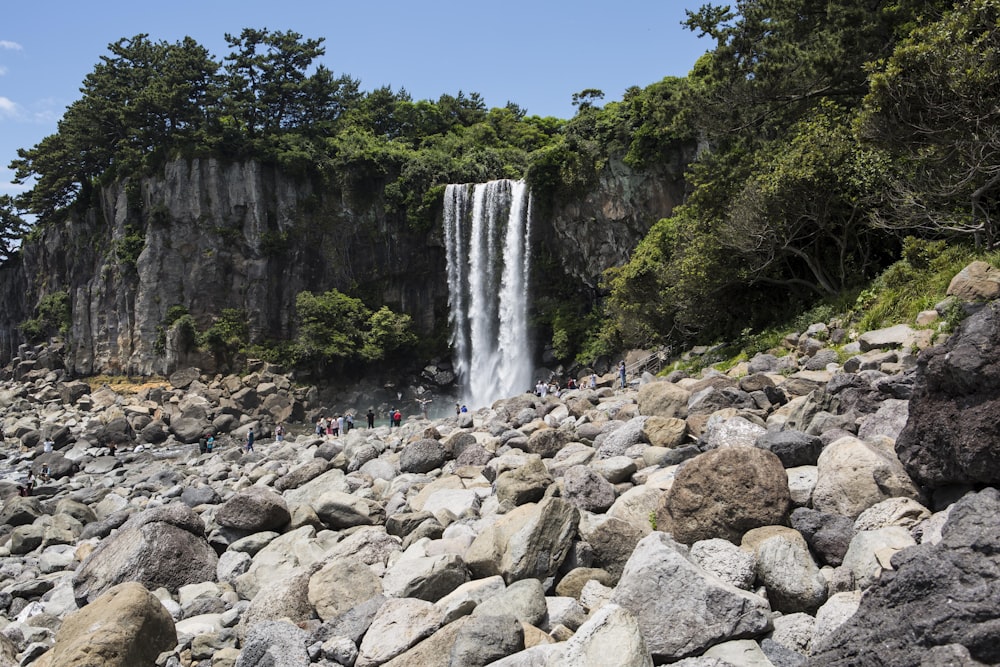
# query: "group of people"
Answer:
x=552 y=386
x=333 y=427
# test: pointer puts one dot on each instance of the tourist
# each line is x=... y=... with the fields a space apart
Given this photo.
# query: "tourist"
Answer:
x=319 y=425
x=593 y=380
x=621 y=372
x=348 y=422
x=340 y=425
x=249 y=441
x=210 y=443
x=203 y=444
x=371 y=418
x=397 y=418
x=48 y=445
x=279 y=433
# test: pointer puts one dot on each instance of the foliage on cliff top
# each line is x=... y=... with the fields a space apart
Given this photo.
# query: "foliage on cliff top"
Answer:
x=149 y=101
x=830 y=132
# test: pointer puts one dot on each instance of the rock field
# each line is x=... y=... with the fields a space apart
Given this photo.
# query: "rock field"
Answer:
x=824 y=507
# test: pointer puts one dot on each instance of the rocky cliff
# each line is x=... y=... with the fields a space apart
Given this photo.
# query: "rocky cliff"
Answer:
x=209 y=235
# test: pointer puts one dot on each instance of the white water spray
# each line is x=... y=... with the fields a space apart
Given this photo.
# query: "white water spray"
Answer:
x=486 y=230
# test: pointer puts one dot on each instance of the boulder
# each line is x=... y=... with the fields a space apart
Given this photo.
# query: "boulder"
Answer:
x=793 y=448
x=853 y=475
x=610 y=626
x=425 y=577
x=161 y=547
x=787 y=570
x=663 y=399
x=286 y=599
x=254 y=509
x=828 y=535
x=274 y=644
x=724 y=493
x=341 y=584
x=938 y=595
x=587 y=490
x=547 y=442
x=485 y=639
x=123 y=627
x=524 y=484
x=979 y=281
x=422 y=456
x=659 y=582
x=726 y=561
x=666 y=432
x=530 y=541
x=956 y=384
x=398 y=625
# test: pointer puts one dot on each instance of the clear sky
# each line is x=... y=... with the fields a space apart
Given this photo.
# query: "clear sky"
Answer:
x=534 y=53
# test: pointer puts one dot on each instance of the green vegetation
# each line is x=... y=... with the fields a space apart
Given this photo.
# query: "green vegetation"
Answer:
x=827 y=135
x=336 y=330
x=149 y=101
x=54 y=317
x=830 y=132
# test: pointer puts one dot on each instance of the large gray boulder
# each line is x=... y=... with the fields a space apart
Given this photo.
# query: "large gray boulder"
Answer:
x=161 y=547
x=588 y=490
x=682 y=609
x=254 y=509
x=663 y=399
x=937 y=595
x=485 y=639
x=610 y=626
x=852 y=475
x=422 y=456
x=950 y=436
x=530 y=541
x=274 y=644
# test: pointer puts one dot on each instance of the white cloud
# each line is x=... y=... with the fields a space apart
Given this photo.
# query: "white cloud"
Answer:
x=7 y=107
x=7 y=44
x=3 y=70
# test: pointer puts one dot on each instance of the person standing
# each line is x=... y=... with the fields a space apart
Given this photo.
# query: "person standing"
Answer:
x=371 y=418
x=621 y=372
x=279 y=433
x=250 y=440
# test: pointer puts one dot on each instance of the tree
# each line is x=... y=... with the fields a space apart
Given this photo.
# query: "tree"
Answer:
x=12 y=228
x=331 y=327
x=267 y=82
x=587 y=98
x=801 y=219
x=141 y=101
x=934 y=107
x=387 y=333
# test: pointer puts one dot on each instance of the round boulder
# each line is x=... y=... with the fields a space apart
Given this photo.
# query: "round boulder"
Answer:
x=161 y=547
x=254 y=509
x=125 y=626
x=724 y=493
x=422 y=456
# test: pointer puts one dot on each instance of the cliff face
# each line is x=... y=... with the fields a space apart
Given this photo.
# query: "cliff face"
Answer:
x=208 y=235
x=601 y=228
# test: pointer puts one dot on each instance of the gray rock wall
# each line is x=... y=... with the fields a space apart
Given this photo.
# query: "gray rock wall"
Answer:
x=216 y=235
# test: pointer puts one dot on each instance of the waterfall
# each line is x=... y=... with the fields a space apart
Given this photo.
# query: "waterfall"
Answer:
x=486 y=230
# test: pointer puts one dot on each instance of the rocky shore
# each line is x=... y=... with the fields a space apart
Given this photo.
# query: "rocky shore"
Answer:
x=823 y=507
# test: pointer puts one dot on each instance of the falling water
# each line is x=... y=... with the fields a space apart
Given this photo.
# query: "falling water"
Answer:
x=486 y=229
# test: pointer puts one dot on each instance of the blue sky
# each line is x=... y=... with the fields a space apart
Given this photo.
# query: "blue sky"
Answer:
x=536 y=54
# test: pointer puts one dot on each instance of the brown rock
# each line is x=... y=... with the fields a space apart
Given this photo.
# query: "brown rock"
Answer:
x=124 y=627
x=724 y=493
